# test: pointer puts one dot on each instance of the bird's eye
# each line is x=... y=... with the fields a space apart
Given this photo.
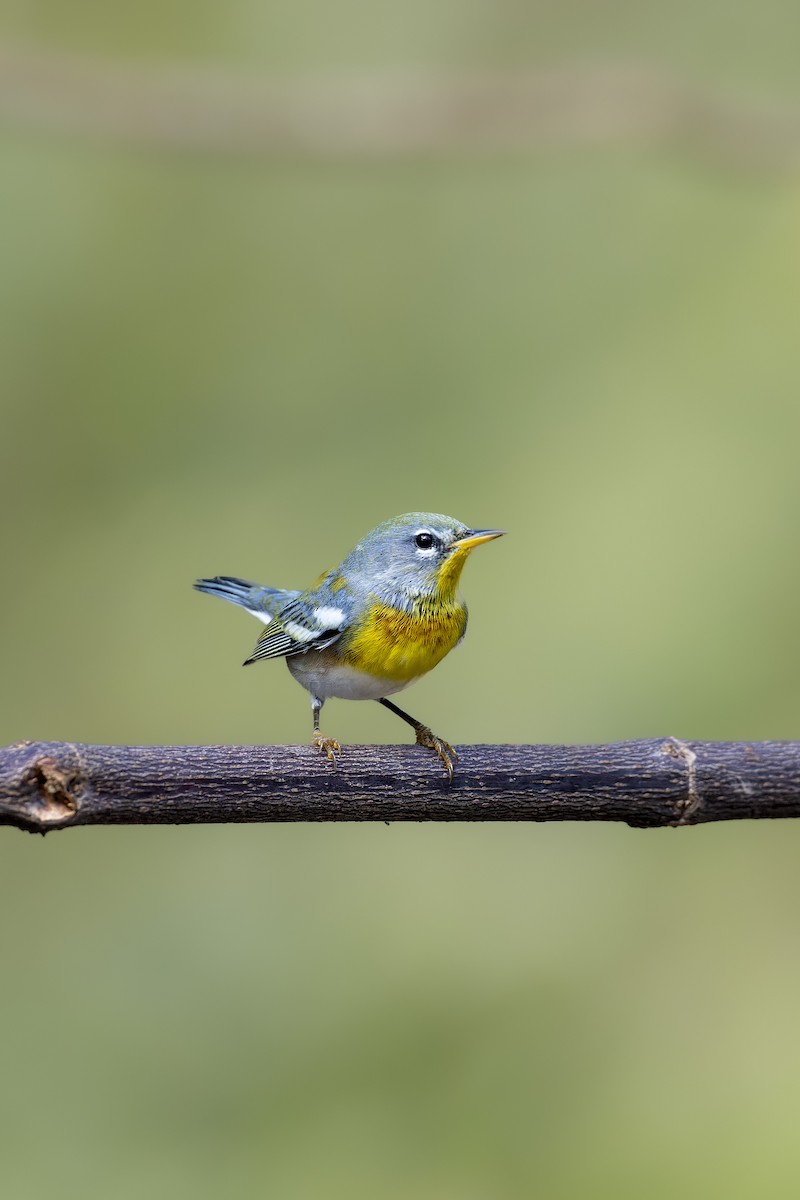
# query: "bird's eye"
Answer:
x=424 y=540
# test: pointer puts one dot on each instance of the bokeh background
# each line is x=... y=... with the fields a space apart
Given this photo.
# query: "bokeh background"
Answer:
x=270 y=274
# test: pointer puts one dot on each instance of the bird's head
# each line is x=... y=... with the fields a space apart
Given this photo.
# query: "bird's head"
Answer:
x=418 y=553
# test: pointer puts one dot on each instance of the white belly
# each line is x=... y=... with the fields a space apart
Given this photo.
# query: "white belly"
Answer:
x=325 y=678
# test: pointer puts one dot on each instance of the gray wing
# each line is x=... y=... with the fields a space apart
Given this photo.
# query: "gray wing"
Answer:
x=302 y=624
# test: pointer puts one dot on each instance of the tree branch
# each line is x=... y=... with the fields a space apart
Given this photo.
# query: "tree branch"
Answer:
x=663 y=781
x=184 y=107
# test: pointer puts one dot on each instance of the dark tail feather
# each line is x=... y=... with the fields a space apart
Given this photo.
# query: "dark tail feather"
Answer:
x=262 y=601
x=229 y=588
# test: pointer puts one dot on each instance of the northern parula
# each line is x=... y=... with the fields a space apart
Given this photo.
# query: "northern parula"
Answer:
x=373 y=625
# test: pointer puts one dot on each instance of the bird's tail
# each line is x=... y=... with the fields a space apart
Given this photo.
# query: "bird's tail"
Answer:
x=262 y=602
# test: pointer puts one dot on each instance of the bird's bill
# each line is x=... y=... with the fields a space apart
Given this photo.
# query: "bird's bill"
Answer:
x=475 y=537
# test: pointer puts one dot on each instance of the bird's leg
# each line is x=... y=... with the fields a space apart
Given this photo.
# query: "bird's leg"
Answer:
x=425 y=737
x=329 y=746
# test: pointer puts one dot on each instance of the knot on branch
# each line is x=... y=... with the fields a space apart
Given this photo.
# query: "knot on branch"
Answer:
x=688 y=803
x=43 y=792
x=55 y=789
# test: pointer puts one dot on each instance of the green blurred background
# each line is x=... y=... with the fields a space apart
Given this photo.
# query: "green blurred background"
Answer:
x=238 y=362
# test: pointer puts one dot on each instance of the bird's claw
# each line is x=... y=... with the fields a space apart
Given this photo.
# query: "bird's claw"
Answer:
x=444 y=751
x=328 y=746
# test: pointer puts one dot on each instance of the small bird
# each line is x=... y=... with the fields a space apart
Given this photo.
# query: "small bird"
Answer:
x=373 y=625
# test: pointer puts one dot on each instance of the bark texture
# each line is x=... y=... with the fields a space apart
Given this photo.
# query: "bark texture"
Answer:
x=657 y=782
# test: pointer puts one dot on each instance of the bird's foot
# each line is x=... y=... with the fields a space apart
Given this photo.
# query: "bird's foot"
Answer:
x=328 y=746
x=445 y=752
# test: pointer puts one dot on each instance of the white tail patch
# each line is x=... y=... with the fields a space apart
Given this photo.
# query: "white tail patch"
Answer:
x=262 y=616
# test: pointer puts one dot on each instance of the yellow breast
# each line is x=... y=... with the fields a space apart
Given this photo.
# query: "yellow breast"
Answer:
x=397 y=645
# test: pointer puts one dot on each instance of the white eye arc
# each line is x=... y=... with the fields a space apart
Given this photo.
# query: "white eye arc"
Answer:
x=425 y=543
